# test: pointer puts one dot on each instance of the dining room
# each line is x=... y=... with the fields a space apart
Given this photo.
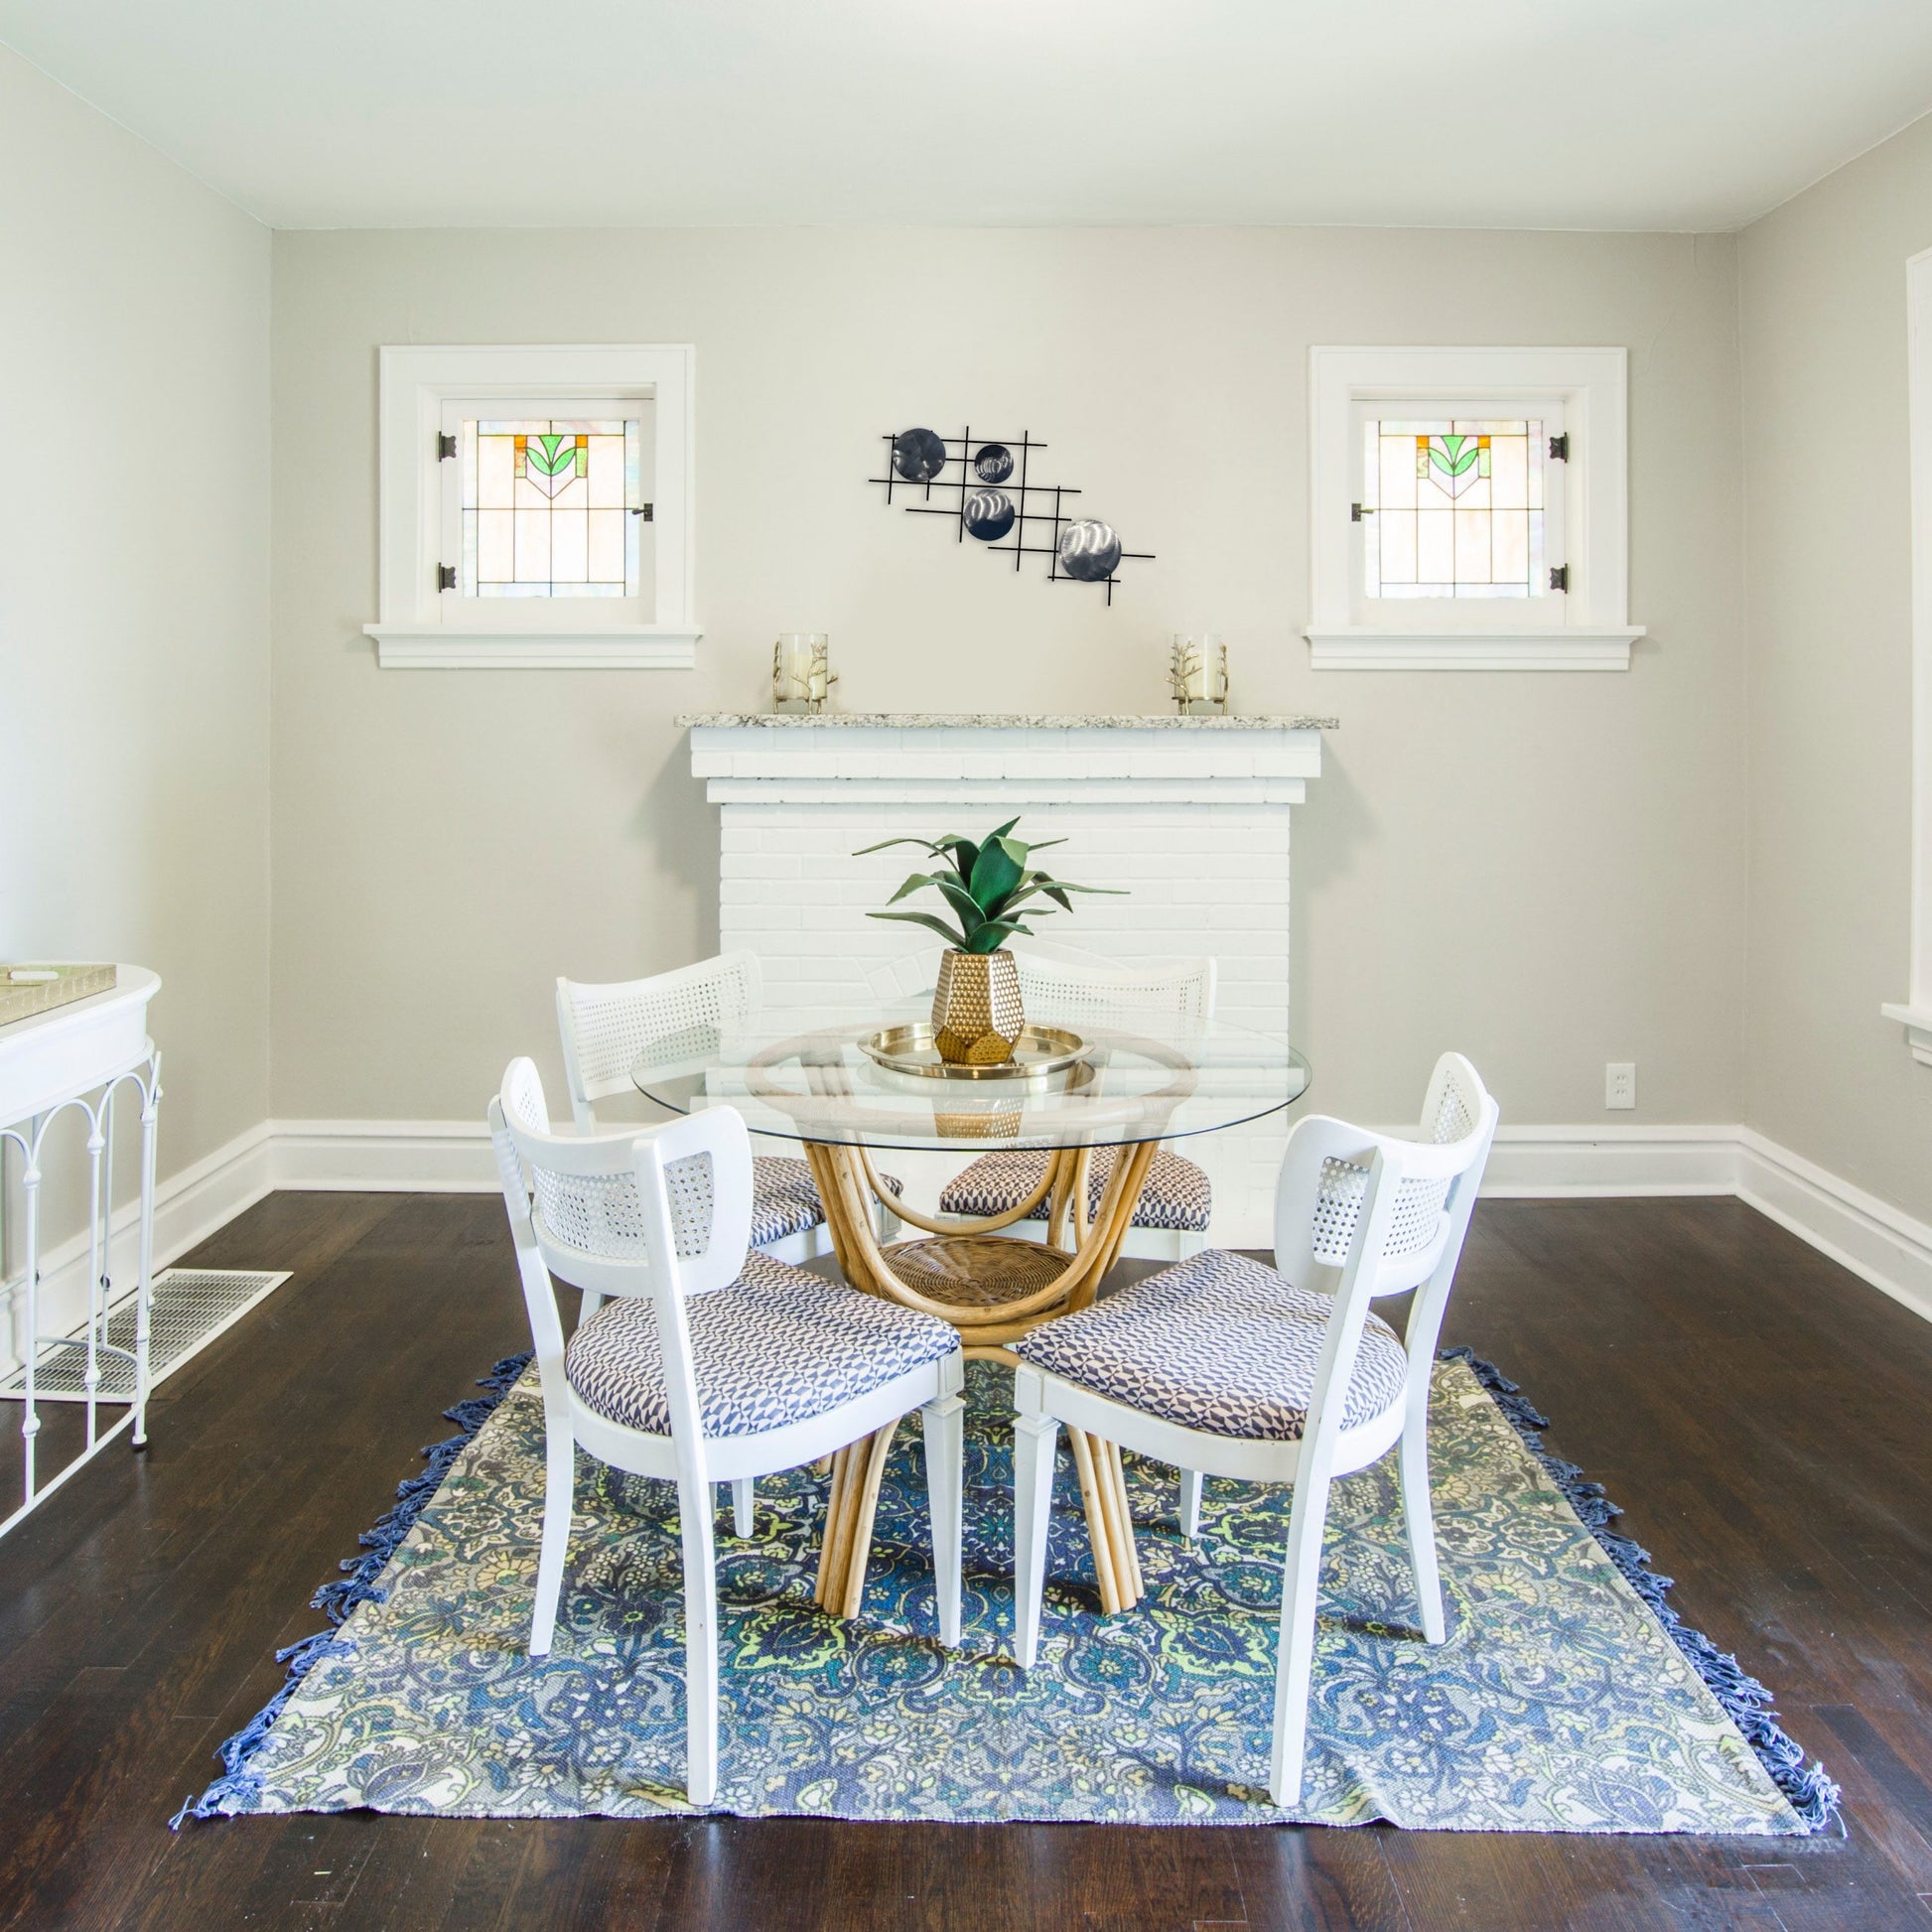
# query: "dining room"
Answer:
x=933 y=994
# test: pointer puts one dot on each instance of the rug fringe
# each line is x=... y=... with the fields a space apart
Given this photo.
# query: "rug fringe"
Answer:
x=237 y=1787
x=1812 y=1793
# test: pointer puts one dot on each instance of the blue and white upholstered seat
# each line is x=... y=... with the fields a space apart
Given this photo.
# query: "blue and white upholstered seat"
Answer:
x=778 y=1347
x=1218 y=1343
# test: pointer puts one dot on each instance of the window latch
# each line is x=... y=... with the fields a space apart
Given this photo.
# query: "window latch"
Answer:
x=643 y=510
x=445 y=446
x=1559 y=577
x=1357 y=512
x=1560 y=448
x=446 y=577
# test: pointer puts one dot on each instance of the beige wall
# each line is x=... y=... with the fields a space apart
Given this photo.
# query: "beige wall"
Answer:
x=1828 y=571
x=1546 y=870
x=134 y=589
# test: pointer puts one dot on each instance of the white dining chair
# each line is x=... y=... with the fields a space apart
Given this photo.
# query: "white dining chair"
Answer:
x=606 y=1029
x=1061 y=988
x=1281 y=1375
x=709 y=1361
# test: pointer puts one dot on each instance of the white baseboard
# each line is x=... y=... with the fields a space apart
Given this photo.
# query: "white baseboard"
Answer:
x=1550 y=1162
x=189 y=1205
x=384 y=1157
x=1879 y=1243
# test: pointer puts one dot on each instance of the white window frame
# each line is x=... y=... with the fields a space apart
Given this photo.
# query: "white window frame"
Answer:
x=1915 y=1011
x=420 y=627
x=1583 y=629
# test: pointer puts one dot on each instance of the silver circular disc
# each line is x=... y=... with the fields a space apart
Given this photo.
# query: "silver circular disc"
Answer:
x=993 y=464
x=988 y=514
x=1090 y=550
x=919 y=454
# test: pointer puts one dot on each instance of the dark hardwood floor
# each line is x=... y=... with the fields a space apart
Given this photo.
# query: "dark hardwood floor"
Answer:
x=1762 y=1416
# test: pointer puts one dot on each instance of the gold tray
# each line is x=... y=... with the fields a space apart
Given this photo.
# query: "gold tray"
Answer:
x=1039 y=1051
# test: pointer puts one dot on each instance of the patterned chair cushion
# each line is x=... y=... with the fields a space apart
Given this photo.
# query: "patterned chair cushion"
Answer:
x=1218 y=1344
x=785 y=1200
x=778 y=1347
x=1176 y=1195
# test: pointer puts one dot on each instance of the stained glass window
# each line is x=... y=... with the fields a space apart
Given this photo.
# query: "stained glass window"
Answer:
x=552 y=507
x=1454 y=508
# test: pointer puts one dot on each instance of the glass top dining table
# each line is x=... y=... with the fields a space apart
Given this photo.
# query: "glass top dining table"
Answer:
x=1149 y=1082
x=1081 y=1143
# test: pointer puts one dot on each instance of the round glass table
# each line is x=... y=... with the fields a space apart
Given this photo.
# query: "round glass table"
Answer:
x=1092 y=1128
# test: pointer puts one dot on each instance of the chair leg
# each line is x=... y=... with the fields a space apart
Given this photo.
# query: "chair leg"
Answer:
x=700 y=1644
x=1420 y=1520
x=1190 y=1483
x=946 y=1478
x=1294 y=1652
x=741 y=1506
x=1034 y=1442
x=559 y=1478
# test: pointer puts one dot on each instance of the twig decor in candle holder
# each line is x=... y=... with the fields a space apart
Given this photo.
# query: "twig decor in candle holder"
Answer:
x=801 y=671
x=1197 y=675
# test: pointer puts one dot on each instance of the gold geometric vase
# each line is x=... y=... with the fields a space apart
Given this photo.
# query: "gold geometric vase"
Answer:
x=976 y=1010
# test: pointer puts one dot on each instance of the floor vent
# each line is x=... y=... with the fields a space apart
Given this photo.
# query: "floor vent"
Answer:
x=192 y=1306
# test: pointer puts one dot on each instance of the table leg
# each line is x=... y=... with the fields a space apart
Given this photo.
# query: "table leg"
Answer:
x=857 y=1471
x=858 y=1468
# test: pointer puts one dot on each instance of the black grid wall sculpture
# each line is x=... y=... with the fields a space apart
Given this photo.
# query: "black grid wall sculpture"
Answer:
x=987 y=494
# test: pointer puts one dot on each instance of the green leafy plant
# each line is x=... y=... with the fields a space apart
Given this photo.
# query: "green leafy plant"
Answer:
x=985 y=885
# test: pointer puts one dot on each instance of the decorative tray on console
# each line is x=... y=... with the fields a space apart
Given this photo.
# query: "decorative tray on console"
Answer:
x=1037 y=1052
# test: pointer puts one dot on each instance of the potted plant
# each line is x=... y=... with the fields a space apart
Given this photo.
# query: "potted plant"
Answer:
x=976 y=1010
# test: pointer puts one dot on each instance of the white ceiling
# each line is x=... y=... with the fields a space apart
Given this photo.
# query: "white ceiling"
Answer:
x=1507 y=113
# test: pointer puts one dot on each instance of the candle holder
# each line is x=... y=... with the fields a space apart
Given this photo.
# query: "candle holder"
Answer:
x=801 y=671
x=1197 y=675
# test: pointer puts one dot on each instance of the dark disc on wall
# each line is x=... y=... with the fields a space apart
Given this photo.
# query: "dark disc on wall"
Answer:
x=1090 y=550
x=988 y=514
x=917 y=455
x=993 y=464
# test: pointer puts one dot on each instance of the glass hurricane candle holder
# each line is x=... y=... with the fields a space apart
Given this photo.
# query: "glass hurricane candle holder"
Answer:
x=1197 y=674
x=801 y=671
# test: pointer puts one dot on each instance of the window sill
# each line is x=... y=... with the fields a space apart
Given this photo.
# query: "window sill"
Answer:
x=1917 y=1022
x=444 y=647
x=1560 y=648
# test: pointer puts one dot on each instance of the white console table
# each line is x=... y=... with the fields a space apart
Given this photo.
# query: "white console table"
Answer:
x=79 y=1056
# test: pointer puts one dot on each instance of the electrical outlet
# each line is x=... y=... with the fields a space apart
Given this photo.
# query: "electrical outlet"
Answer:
x=1620 y=1084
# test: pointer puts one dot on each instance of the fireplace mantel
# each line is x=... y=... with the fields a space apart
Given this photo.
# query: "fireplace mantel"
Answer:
x=909 y=758
x=995 y=721
x=1186 y=818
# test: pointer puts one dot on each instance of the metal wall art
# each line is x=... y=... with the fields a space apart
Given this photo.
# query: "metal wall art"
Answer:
x=987 y=494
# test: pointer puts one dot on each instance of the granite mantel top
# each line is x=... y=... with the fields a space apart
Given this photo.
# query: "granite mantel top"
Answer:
x=994 y=721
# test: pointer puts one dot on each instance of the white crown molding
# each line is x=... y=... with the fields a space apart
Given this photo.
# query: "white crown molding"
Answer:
x=444 y=647
x=1560 y=648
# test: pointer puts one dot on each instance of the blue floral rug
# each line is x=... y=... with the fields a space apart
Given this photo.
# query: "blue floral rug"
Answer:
x=1567 y=1699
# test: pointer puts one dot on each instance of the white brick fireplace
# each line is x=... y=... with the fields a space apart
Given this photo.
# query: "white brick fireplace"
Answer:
x=1190 y=815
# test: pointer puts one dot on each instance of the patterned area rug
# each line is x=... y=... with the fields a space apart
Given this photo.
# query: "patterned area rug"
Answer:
x=1561 y=1702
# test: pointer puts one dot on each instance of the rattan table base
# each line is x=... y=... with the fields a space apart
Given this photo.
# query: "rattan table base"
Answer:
x=991 y=1290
